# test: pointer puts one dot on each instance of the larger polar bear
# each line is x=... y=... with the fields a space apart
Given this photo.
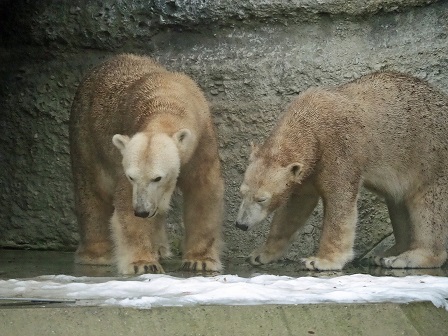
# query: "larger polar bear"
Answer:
x=387 y=131
x=160 y=123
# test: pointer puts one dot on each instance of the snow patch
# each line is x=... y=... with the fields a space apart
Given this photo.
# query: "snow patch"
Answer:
x=148 y=291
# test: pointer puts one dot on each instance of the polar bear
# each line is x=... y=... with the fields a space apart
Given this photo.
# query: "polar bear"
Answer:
x=386 y=131
x=136 y=132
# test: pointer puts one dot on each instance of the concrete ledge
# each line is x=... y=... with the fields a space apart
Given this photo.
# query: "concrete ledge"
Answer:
x=355 y=319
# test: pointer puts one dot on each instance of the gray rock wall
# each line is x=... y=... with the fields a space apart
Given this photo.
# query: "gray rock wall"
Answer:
x=250 y=57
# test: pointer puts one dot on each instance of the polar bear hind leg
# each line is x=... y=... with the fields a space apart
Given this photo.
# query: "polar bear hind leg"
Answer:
x=428 y=231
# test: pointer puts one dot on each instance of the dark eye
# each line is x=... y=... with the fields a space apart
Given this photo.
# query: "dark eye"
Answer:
x=130 y=178
x=157 y=179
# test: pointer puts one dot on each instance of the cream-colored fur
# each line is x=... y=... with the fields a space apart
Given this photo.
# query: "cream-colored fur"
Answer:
x=136 y=132
x=151 y=171
x=386 y=131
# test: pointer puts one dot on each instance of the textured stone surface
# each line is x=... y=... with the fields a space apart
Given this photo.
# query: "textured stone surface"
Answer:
x=250 y=57
x=319 y=319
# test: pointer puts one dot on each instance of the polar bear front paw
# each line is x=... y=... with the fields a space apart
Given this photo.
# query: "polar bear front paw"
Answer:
x=142 y=267
x=393 y=262
x=320 y=264
x=259 y=258
x=205 y=265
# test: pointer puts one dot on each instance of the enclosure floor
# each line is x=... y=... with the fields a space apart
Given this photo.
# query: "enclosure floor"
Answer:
x=15 y=264
x=317 y=319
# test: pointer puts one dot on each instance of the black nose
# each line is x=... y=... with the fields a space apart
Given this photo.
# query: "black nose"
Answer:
x=243 y=227
x=142 y=214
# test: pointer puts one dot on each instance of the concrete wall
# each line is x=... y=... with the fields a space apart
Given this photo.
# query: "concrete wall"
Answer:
x=319 y=319
x=250 y=57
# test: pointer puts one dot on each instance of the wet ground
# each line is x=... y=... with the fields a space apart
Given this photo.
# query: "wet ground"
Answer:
x=16 y=264
x=59 y=318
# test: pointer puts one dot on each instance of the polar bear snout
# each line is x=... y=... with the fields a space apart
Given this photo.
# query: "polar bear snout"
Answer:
x=249 y=215
x=243 y=227
x=143 y=214
x=242 y=221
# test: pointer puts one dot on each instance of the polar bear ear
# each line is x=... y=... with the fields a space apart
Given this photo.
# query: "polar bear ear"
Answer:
x=253 y=151
x=182 y=139
x=120 y=141
x=295 y=169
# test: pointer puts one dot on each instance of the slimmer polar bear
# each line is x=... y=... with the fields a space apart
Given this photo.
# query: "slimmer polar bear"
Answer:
x=136 y=132
x=387 y=131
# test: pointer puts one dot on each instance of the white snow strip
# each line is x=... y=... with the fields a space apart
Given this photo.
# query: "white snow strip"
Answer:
x=148 y=290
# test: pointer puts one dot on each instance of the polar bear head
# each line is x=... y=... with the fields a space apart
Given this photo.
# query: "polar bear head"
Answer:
x=267 y=184
x=151 y=163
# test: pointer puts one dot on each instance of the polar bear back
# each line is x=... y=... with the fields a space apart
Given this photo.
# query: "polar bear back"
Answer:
x=391 y=126
x=123 y=95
